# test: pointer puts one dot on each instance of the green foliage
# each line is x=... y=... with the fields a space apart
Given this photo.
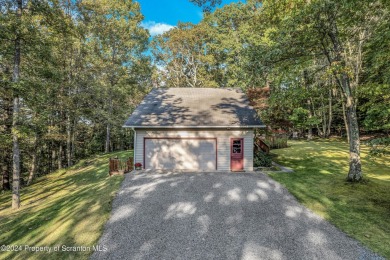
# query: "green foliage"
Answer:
x=83 y=70
x=230 y=37
x=379 y=147
x=375 y=99
x=298 y=55
x=262 y=159
x=183 y=55
x=207 y=5
x=300 y=117
x=212 y=53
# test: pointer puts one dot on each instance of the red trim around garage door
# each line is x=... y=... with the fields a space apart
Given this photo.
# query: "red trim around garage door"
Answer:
x=188 y=138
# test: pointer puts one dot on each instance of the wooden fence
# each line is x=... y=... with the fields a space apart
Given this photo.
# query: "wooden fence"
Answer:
x=118 y=167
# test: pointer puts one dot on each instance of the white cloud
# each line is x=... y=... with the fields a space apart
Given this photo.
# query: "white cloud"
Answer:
x=156 y=28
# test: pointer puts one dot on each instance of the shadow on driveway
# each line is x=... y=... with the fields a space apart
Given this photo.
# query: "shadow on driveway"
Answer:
x=217 y=216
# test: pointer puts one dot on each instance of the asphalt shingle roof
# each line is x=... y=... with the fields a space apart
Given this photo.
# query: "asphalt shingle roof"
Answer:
x=194 y=107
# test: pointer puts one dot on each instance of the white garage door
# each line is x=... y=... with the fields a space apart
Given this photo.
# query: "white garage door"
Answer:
x=183 y=154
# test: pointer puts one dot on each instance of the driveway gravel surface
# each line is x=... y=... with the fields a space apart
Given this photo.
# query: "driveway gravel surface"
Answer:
x=217 y=216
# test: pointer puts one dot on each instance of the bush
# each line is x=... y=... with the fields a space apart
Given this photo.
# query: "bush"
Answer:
x=379 y=147
x=262 y=159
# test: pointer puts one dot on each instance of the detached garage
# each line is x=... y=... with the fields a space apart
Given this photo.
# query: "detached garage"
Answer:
x=197 y=129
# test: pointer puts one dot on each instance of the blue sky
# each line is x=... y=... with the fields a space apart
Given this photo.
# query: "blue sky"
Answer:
x=162 y=15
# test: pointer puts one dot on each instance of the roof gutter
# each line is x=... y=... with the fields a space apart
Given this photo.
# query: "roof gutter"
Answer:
x=195 y=127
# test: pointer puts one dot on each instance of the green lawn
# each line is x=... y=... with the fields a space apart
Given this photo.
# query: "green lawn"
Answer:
x=68 y=207
x=360 y=210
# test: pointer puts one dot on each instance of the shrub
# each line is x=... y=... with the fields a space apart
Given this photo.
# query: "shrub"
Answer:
x=262 y=159
x=379 y=147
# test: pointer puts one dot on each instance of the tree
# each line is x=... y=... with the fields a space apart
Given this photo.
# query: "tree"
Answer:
x=328 y=29
x=56 y=70
x=184 y=57
x=207 y=5
x=16 y=108
x=119 y=42
x=230 y=38
x=6 y=105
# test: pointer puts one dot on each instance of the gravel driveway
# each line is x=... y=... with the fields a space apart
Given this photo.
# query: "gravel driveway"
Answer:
x=217 y=216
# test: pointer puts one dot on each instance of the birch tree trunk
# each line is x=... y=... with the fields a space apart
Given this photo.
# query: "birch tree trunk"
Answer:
x=15 y=114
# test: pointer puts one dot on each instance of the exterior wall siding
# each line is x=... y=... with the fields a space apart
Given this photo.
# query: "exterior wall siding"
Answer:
x=223 y=143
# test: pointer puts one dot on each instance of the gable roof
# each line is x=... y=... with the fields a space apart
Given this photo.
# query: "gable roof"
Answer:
x=194 y=107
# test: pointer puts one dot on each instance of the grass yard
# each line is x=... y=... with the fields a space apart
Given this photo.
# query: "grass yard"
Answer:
x=68 y=207
x=320 y=169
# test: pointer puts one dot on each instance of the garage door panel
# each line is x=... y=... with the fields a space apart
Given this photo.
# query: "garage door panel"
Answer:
x=191 y=154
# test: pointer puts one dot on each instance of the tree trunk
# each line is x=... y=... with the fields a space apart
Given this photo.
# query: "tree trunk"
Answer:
x=345 y=117
x=108 y=127
x=5 y=185
x=68 y=141
x=33 y=168
x=324 y=122
x=15 y=154
x=15 y=115
x=306 y=80
x=310 y=133
x=53 y=159
x=73 y=147
x=355 y=166
x=107 y=144
x=59 y=157
x=330 y=115
x=7 y=154
x=355 y=169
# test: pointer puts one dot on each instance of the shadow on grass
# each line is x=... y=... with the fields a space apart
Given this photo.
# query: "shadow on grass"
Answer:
x=319 y=182
x=64 y=208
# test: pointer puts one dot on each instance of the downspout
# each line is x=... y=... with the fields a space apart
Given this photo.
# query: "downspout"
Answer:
x=134 y=145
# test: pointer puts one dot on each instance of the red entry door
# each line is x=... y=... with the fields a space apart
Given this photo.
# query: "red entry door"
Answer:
x=237 y=154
